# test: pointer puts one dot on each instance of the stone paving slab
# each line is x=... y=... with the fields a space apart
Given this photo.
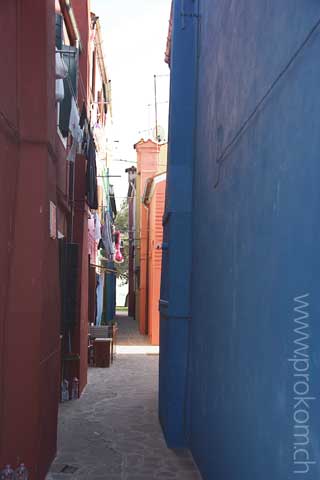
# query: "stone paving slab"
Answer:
x=128 y=333
x=112 y=432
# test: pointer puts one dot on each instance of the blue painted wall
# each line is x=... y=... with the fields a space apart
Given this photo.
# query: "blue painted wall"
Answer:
x=256 y=242
x=175 y=303
x=110 y=292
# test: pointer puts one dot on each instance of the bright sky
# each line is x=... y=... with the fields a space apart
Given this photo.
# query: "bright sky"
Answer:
x=135 y=35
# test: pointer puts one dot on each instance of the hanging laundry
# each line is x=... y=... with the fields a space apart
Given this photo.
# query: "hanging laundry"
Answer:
x=107 y=237
x=101 y=244
x=59 y=90
x=83 y=116
x=97 y=227
x=91 y=175
x=99 y=293
x=91 y=226
x=61 y=73
x=75 y=130
x=112 y=202
x=118 y=258
x=61 y=67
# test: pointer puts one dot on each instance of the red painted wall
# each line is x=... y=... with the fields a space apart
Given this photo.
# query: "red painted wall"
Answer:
x=33 y=172
x=30 y=302
x=79 y=335
x=82 y=13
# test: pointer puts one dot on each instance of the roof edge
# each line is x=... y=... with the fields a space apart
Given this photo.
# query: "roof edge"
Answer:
x=167 y=57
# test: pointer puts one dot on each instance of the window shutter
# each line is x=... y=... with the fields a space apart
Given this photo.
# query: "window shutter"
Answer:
x=69 y=271
x=70 y=56
x=58 y=31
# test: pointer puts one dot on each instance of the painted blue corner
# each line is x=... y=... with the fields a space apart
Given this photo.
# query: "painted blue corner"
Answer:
x=110 y=292
x=250 y=242
x=175 y=307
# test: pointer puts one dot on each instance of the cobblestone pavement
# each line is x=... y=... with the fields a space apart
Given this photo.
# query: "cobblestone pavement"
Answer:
x=112 y=432
x=128 y=332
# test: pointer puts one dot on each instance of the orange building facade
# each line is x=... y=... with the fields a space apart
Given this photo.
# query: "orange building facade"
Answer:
x=150 y=196
x=154 y=199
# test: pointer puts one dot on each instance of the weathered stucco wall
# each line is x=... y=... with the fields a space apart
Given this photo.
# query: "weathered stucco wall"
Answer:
x=256 y=233
x=30 y=297
x=238 y=399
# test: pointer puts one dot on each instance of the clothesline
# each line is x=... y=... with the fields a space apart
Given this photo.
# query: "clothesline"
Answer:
x=104 y=268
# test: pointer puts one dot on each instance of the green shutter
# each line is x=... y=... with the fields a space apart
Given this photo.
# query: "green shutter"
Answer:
x=59 y=31
x=69 y=273
x=70 y=56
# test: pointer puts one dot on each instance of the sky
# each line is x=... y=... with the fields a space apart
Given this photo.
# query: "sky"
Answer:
x=134 y=42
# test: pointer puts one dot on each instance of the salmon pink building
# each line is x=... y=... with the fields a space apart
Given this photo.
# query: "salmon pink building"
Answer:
x=145 y=246
x=154 y=199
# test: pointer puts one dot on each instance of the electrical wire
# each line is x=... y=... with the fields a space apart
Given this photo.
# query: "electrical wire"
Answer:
x=88 y=104
x=10 y=125
x=162 y=75
x=120 y=160
x=104 y=268
x=84 y=99
x=135 y=162
x=252 y=115
x=83 y=91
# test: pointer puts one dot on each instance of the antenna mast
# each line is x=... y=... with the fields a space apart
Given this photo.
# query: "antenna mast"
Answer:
x=155 y=105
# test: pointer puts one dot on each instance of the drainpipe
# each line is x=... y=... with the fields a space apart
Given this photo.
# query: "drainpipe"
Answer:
x=71 y=23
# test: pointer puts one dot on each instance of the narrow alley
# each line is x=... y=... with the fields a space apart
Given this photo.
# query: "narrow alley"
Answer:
x=112 y=432
x=159 y=244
